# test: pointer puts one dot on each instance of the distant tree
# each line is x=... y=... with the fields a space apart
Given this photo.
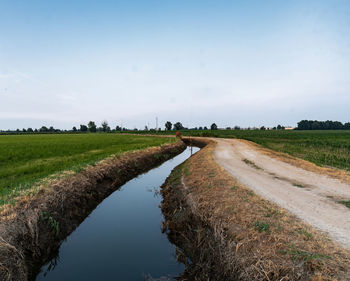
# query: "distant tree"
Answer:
x=74 y=129
x=347 y=126
x=228 y=128
x=237 y=128
x=213 y=127
x=337 y=125
x=36 y=130
x=274 y=128
x=279 y=127
x=200 y=128
x=24 y=130
x=104 y=125
x=320 y=125
x=262 y=128
x=83 y=128
x=92 y=127
x=43 y=129
x=178 y=126
x=146 y=128
x=30 y=130
x=118 y=128
x=17 y=130
x=51 y=129
x=168 y=125
x=205 y=128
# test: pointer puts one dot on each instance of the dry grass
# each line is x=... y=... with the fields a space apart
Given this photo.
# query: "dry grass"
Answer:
x=259 y=240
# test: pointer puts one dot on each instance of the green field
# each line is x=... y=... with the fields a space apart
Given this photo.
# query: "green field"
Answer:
x=324 y=148
x=25 y=159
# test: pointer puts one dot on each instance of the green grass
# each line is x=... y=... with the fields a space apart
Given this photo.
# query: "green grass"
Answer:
x=26 y=159
x=262 y=226
x=54 y=224
x=307 y=234
x=297 y=254
x=346 y=203
x=324 y=148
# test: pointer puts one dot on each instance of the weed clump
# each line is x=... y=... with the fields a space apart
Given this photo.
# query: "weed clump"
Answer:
x=298 y=254
x=346 y=203
x=262 y=227
x=54 y=224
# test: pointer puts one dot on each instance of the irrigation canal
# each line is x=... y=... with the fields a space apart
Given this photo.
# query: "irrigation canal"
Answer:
x=121 y=239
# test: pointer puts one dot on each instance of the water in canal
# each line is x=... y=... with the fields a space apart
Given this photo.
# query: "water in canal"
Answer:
x=122 y=238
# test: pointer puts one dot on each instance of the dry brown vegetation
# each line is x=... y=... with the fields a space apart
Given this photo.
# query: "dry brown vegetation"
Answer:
x=230 y=233
x=32 y=230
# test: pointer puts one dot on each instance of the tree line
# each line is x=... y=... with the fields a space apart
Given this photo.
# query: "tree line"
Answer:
x=178 y=126
x=322 y=125
x=89 y=127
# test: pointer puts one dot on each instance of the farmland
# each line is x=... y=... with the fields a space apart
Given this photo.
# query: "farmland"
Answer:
x=324 y=148
x=26 y=159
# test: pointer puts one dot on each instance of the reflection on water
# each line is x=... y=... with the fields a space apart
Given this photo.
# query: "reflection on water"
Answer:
x=122 y=237
x=52 y=264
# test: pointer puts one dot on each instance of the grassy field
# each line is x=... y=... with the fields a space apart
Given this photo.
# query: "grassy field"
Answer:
x=25 y=159
x=324 y=148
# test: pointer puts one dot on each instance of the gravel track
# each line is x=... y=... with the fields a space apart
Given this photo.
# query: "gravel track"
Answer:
x=310 y=196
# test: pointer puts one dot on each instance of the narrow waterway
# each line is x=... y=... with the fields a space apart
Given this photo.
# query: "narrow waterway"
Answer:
x=122 y=238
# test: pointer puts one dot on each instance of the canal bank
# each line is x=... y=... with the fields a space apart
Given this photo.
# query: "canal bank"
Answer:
x=122 y=238
x=34 y=228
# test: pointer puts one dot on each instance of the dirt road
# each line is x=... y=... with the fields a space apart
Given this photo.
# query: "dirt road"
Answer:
x=310 y=196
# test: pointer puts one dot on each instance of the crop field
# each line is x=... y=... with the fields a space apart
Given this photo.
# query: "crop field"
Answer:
x=324 y=148
x=26 y=159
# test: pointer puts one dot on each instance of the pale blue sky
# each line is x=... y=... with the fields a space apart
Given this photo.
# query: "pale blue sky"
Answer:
x=246 y=63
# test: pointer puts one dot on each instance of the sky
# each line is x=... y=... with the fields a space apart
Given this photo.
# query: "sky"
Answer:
x=244 y=62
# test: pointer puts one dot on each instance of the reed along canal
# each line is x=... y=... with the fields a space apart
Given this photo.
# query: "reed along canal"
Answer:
x=122 y=238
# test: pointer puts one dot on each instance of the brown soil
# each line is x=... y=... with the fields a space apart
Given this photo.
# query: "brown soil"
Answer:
x=230 y=233
x=32 y=230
